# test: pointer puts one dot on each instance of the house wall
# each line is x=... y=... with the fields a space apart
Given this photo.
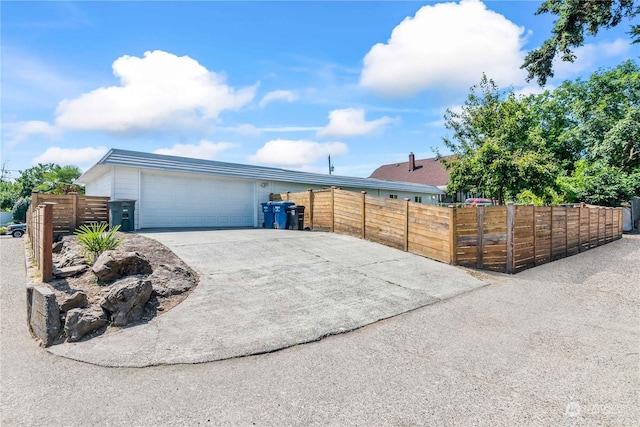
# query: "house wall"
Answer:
x=125 y=183
x=102 y=186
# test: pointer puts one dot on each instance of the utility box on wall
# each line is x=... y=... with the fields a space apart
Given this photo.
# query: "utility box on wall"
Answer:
x=122 y=213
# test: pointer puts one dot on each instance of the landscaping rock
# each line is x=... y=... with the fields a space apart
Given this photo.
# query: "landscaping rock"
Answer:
x=43 y=314
x=169 y=280
x=68 y=259
x=80 y=322
x=112 y=265
x=74 y=270
x=126 y=299
x=77 y=300
x=57 y=247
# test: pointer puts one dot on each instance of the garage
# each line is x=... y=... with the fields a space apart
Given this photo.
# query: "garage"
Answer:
x=182 y=192
x=179 y=200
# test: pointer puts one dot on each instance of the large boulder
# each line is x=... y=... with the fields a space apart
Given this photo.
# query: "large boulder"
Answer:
x=72 y=271
x=112 y=265
x=79 y=322
x=126 y=299
x=76 y=300
x=168 y=280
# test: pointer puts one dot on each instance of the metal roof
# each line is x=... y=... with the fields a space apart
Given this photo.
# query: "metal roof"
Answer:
x=135 y=159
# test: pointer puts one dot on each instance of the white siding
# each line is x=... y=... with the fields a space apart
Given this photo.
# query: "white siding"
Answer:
x=195 y=200
x=127 y=186
x=102 y=186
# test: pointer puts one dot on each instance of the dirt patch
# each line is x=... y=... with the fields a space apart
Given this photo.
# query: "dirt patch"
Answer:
x=172 y=279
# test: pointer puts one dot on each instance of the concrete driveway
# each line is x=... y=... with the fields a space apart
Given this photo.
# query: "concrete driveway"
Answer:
x=264 y=290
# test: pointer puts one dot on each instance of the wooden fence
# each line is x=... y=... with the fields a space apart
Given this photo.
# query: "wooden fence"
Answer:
x=500 y=238
x=40 y=231
x=70 y=211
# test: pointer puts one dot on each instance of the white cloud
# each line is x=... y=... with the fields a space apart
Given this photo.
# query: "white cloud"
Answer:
x=588 y=56
x=81 y=157
x=290 y=128
x=204 y=150
x=351 y=122
x=158 y=91
x=446 y=44
x=300 y=153
x=278 y=95
x=20 y=131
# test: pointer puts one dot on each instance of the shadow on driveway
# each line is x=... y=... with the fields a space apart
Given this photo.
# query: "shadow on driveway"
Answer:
x=265 y=290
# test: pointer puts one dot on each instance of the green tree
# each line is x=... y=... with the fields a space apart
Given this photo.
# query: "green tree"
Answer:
x=49 y=178
x=9 y=191
x=600 y=184
x=497 y=150
x=575 y=18
x=32 y=177
x=20 y=209
x=61 y=181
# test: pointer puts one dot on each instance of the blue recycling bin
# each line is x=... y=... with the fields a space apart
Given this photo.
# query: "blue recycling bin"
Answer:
x=281 y=214
x=267 y=212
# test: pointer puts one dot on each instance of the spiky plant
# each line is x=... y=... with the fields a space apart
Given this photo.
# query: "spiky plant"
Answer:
x=95 y=239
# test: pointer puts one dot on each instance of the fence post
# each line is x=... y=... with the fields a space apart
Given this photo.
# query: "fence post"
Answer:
x=589 y=229
x=535 y=260
x=580 y=229
x=310 y=191
x=333 y=208
x=46 y=245
x=551 y=236
x=364 y=215
x=566 y=231
x=453 y=241
x=480 y=244
x=598 y=235
x=511 y=213
x=74 y=209
x=406 y=226
x=288 y=195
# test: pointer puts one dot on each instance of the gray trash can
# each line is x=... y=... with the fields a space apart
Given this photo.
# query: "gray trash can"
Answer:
x=122 y=213
x=296 y=217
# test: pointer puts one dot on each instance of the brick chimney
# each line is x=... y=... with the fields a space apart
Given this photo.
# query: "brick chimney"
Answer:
x=412 y=162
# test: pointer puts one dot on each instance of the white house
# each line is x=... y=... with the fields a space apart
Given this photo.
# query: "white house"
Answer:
x=175 y=191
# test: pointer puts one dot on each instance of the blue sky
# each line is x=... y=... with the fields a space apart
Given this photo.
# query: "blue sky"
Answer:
x=282 y=84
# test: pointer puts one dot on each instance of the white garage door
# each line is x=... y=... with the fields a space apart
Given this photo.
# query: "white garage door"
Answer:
x=178 y=200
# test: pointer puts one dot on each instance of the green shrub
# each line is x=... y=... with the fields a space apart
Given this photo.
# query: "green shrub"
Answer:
x=3 y=230
x=20 y=209
x=95 y=239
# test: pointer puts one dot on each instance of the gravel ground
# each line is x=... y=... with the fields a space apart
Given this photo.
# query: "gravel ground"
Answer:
x=554 y=345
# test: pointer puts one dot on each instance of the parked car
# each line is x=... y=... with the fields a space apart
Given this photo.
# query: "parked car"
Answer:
x=17 y=230
x=478 y=201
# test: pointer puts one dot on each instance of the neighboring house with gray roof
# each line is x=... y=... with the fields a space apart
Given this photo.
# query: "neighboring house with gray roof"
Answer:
x=175 y=191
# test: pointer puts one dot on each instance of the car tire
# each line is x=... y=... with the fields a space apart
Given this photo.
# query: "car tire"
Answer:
x=17 y=233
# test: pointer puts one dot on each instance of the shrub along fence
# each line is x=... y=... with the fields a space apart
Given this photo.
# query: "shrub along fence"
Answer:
x=500 y=238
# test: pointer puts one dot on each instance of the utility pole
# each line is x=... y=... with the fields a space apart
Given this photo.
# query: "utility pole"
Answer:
x=330 y=165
